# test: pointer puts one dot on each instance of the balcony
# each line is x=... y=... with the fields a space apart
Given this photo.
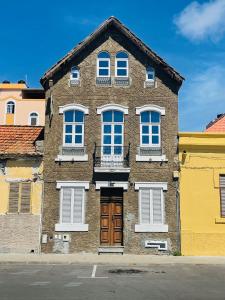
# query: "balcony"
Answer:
x=68 y=153
x=111 y=159
x=150 y=154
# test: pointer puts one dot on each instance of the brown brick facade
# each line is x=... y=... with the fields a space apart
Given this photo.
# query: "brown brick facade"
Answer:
x=93 y=96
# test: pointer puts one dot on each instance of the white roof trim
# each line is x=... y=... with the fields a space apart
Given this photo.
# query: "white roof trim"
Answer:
x=84 y=184
x=151 y=107
x=162 y=185
x=117 y=184
x=71 y=106
x=112 y=106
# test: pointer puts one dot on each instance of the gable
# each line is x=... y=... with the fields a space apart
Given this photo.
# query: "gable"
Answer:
x=114 y=28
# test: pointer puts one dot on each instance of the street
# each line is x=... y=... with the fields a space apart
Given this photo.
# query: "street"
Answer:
x=71 y=282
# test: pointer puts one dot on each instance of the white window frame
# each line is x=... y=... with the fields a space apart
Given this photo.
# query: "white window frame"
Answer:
x=77 y=71
x=72 y=226
x=121 y=68
x=99 y=68
x=152 y=227
x=150 y=134
x=73 y=124
x=148 y=71
x=7 y=103
x=33 y=112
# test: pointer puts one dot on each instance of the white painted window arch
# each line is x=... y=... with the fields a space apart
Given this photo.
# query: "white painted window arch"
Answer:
x=73 y=106
x=112 y=106
x=34 y=119
x=150 y=107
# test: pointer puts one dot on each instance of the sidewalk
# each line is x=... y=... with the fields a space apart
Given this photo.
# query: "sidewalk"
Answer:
x=125 y=259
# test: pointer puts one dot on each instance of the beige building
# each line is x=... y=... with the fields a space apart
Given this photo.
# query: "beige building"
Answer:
x=20 y=105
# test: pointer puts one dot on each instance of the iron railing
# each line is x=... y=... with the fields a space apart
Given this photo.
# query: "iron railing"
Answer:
x=112 y=156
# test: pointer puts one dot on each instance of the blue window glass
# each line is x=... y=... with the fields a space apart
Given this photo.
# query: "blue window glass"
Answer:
x=118 y=129
x=106 y=150
x=107 y=139
x=145 y=129
x=74 y=72
x=103 y=63
x=150 y=73
x=78 y=129
x=121 y=63
x=121 y=72
x=79 y=116
x=103 y=72
x=145 y=117
x=155 y=139
x=118 y=116
x=155 y=129
x=68 y=139
x=103 y=54
x=117 y=150
x=107 y=116
x=78 y=139
x=69 y=116
x=145 y=139
x=68 y=128
x=118 y=139
x=121 y=55
x=155 y=117
x=107 y=128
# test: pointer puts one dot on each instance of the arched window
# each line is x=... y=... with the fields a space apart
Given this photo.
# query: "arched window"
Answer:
x=73 y=128
x=150 y=74
x=103 y=64
x=150 y=129
x=75 y=73
x=10 y=107
x=33 y=119
x=121 y=68
x=112 y=132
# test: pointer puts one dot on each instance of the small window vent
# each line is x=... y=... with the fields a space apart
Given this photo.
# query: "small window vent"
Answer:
x=73 y=82
x=160 y=245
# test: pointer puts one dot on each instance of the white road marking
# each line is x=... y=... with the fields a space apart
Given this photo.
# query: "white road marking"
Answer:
x=40 y=283
x=73 y=284
x=94 y=271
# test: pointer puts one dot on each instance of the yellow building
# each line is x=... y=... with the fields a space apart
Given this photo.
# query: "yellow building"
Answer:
x=21 y=183
x=202 y=193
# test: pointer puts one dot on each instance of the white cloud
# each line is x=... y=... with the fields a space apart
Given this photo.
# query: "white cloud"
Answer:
x=201 y=21
x=92 y=21
x=202 y=98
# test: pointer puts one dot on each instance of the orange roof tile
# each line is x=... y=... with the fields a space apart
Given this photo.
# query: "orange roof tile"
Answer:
x=217 y=125
x=19 y=139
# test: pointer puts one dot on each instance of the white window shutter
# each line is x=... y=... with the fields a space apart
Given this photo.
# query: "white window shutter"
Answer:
x=157 y=206
x=66 y=205
x=145 y=206
x=78 y=204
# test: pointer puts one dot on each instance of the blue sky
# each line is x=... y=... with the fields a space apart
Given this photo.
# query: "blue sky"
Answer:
x=189 y=35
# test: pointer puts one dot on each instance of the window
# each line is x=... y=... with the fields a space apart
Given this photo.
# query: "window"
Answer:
x=150 y=74
x=103 y=64
x=73 y=128
x=75 y=74
x=121 y=68
x=112 y=132
x=151 y=207
x=150 y=129
x=10 y=107
x=33 y=119
x=222 y=196
x=19 y=197
x=72 y=206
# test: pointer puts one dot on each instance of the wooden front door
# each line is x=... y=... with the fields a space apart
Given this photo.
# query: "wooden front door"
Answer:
x=111 y=217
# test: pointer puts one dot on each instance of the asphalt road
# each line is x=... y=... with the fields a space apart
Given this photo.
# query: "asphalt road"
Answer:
x=71 y=282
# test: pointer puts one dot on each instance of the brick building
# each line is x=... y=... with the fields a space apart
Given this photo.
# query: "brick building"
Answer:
x=110 y=147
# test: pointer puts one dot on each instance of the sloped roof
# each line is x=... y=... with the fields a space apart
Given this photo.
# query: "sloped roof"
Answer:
x=19 y=140
x=112 y=21
x=217 y=125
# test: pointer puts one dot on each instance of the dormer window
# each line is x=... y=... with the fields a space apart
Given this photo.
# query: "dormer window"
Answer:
x=121 y=69
x=74 y=76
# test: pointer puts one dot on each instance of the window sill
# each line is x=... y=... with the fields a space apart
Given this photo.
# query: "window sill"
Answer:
x=71 y=227
x=72 y=158
x=151 y=228
x=151 y=158
x=220 y=220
